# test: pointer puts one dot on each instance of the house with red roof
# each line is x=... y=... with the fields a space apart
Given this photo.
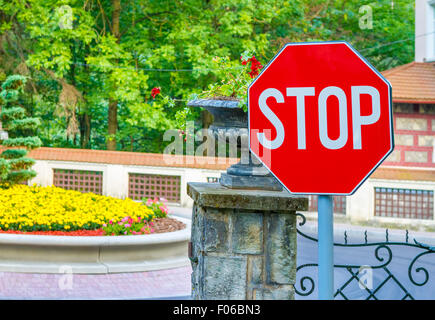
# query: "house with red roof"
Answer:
x=402 y=189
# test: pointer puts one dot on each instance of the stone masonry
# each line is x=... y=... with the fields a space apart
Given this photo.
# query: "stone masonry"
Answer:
x=243 y=243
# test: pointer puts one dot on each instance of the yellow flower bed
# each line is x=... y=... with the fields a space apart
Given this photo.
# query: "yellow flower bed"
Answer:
x=36 y=208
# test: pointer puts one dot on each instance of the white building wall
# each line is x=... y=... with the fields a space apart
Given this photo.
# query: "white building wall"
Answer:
x=424 y=30
x=115 y=177
x=361 y=205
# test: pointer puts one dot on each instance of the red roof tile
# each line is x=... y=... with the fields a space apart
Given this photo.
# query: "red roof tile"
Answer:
x=413 y=82
x=157 y=160
x=390 y=173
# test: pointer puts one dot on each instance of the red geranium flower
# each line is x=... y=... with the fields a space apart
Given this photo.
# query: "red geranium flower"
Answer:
x=155 y=91
x=255 y=67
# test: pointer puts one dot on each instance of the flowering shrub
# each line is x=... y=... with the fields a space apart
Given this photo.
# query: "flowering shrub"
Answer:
x=255 y=65
x=36 y=208
x=159 y=208
x=128 y=226
x=235 y=77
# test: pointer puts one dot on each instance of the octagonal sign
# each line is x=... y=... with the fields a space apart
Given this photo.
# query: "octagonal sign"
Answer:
x=320 y=118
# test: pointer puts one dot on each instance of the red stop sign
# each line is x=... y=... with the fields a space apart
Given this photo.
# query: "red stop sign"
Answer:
x=320 y=118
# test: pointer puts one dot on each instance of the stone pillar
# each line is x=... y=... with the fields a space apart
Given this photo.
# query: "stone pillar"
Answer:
x=243 y=242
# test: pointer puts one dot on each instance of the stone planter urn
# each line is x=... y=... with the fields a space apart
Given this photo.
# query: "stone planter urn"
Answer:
x=231 y=124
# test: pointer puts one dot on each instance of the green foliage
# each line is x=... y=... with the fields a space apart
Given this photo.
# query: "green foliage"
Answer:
x=23 y=124
x=12 y=113
x=13 y=85
x=181 y=119
x=76 y=63
x=15 y=177
x=4 y=169
x=235 y=78
x=21 y=163
x=14 y=165
x=390 y=41
x=28 y=142
x=13 y=154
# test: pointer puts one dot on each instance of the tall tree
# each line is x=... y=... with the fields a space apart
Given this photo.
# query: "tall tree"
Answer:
x=112 y=124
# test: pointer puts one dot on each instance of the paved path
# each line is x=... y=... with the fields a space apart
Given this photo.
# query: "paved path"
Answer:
x=138 y=285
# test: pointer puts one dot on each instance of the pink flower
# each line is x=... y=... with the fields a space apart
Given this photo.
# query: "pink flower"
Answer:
x=127 y=225
x=164 y=209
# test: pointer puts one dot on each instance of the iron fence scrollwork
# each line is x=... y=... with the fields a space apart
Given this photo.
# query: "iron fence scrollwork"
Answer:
x=383 y=255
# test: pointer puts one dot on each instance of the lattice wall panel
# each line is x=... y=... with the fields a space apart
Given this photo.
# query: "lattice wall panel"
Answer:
x=154 y=186
x=404 y=203
x=339 y=204
x=80 y=180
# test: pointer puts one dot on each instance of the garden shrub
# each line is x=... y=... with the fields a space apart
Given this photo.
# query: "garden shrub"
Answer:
x=15 y=167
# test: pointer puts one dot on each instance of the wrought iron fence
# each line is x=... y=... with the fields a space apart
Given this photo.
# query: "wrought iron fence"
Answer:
x=383 y=260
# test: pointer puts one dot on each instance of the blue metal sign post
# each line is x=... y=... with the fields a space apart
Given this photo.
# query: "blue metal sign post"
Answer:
x=326 y=247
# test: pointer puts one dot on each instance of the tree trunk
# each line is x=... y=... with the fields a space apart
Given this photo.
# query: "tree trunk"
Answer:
x=112 y=124
x=112 y=121
x=85 y=131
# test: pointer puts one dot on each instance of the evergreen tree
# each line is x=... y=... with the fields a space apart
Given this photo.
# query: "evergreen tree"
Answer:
x=15 y=166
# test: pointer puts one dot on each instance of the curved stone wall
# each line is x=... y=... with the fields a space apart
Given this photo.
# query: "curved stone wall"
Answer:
x=94 y=255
